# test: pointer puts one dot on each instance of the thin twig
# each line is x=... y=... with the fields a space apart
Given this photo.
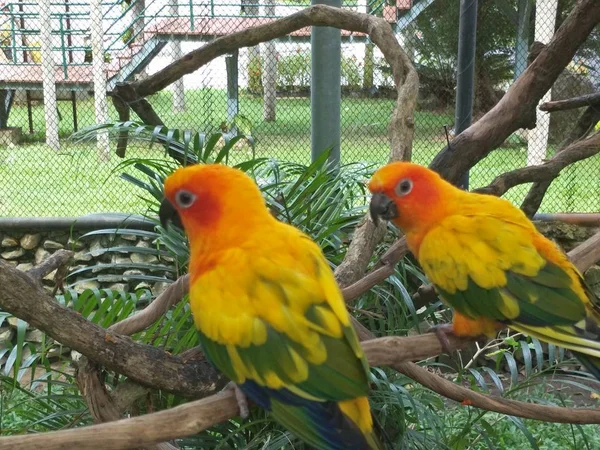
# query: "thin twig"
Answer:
x=58 y=259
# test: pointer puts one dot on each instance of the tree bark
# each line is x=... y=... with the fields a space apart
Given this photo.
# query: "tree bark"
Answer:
x=517 y=108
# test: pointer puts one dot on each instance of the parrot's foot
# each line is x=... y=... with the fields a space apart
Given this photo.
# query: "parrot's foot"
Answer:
x=241 y=399
x=442 y=331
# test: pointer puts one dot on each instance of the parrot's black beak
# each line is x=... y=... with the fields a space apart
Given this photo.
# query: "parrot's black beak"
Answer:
x=382 y=206
x=167 y=213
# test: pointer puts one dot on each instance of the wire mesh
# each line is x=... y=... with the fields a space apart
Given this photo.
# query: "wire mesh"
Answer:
x=47 y=174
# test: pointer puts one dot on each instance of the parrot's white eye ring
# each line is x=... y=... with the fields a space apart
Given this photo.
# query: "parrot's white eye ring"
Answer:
x=404 y=187
x=185 y=199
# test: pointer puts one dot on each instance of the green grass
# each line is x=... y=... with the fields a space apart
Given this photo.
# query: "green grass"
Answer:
x=36 y=181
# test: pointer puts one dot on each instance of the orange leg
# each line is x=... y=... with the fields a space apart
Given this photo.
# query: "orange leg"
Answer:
x=464 y=327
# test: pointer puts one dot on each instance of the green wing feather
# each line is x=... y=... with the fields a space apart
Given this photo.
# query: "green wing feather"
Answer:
x=486 y=267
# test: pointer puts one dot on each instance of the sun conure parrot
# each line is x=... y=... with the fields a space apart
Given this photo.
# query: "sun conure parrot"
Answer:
x=269 y=312
x=489 y=262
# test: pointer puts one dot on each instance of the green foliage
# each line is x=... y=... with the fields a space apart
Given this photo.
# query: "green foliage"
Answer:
x=293 y=70
x=326 y=204
x=351 y=71
x=434 y=37
x=127 y=36
x=255 y=85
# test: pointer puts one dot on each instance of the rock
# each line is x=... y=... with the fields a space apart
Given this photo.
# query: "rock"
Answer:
x=132 y=272
x=12 y=321
x=143 y=258
x=41 y=255
x=96 y=248
x=12 y=263
x=25 y=267
x=592 y=276
x=9 y=242
x=142 y=285
x=132 y=275
x=160 y=287
x=30 y=241
x=13 y=254
x=57 y=351
x=121 y=287
x=6 y=335
x=117 y=259
x=34 y=335
x=129 y=237
x=75 y=355
x=50 y=276
x=110 y=278
x=82 y=256
x=75 y=244
x=168 y=259
x=566 y=235
x=82 y=285
x=53 y=245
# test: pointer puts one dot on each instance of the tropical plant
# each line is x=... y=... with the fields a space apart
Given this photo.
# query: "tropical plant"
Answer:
x=326 y=204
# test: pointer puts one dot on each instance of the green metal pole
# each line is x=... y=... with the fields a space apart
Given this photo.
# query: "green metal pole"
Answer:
x=465 y=82
x=524 y=8
x=325 y=90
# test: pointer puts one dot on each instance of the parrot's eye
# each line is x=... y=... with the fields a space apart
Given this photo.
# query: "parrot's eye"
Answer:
x=185 y=199
x=404 y=187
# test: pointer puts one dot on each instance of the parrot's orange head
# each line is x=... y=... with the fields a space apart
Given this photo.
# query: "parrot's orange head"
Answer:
x=412 y=196
x=206 y=199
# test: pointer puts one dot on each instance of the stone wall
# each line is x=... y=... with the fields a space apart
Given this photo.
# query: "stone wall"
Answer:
x=24 y=250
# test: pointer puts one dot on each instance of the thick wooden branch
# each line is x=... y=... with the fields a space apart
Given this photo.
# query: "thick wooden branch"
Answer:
x=144 y=364
x=572 y=103
x=516 y=108
x=547 y=171
x=586 y=254
x=194 y=417
x=378 y=29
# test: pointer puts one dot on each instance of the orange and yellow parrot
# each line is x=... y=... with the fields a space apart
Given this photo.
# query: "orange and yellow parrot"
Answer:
x=488 y=261
x=270 y=314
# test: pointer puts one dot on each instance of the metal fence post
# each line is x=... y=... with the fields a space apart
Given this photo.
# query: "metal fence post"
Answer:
x=231 y=61
x=49 y=86
x=99 y=76
x=325 y=90
x=467 y=36
x=522 y=45
x=545 y=20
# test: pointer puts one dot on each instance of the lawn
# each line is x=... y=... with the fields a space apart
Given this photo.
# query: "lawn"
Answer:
x=36 y=181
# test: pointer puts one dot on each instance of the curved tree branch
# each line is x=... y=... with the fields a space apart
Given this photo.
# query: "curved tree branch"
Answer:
x=516 y=109
x=547 y=171
x=585 y=124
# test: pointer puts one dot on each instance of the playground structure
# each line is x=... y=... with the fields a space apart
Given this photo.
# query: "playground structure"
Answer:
x=129 y=36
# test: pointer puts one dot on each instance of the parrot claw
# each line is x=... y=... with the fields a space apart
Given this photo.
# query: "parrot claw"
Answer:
x=442 y=331
x=241 y=399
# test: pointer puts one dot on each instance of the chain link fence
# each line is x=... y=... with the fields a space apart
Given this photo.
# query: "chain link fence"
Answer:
x=55 y=50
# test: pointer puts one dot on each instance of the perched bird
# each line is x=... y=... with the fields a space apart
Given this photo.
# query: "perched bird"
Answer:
x=488 y=262
x=269 y=312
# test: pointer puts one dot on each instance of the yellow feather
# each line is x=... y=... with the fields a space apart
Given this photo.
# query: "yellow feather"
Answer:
x=358 y=411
